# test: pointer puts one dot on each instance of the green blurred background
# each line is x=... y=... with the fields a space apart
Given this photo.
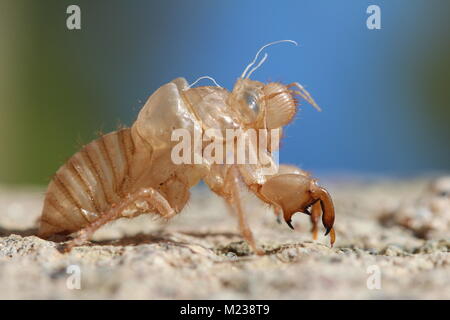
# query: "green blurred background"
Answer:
x=385 y=93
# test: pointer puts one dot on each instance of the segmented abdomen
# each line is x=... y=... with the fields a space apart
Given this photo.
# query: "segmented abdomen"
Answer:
x=87 y=184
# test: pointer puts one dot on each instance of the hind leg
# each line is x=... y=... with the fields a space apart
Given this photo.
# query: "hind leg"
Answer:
x=149 y=195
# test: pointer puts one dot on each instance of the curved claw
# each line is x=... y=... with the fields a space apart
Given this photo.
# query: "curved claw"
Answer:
x=327 y=213
x=292 y=191
x=327 y=209
x=307 y=212
x=289 y=223
x=323 y=203
x=288 y=218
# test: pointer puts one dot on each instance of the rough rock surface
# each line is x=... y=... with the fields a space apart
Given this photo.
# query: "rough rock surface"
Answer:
x=200 y=255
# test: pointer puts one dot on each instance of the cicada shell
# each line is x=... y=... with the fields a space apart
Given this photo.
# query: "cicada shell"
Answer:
x=132 y=171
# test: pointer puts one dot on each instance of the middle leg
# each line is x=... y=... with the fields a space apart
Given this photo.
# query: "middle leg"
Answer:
x=233 y=197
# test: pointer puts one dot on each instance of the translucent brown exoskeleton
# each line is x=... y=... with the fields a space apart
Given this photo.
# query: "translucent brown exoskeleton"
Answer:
x=131 y=171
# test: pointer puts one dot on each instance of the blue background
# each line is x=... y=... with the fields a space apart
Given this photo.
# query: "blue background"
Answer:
x=384 y=93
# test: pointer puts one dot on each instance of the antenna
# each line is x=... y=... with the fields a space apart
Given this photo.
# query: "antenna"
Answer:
x=257 y=66
x=204 y=77
x=265 y=57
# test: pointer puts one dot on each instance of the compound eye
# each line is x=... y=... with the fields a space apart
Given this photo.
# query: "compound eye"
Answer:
x=252 y=102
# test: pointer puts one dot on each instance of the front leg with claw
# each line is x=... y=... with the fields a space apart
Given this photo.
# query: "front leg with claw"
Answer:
x=296 y=191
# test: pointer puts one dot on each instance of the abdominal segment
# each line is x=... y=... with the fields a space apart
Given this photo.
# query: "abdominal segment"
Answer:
x=88 y=184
